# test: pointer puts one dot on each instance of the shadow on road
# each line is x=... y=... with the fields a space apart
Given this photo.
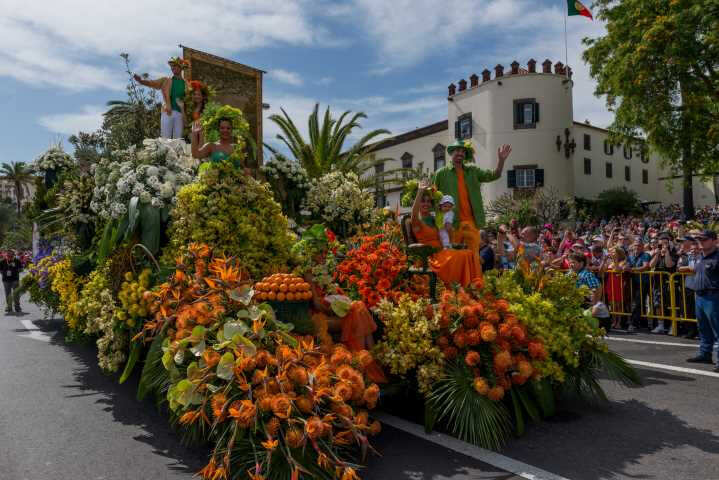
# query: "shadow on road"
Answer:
x=585 y=444
x=120 y=401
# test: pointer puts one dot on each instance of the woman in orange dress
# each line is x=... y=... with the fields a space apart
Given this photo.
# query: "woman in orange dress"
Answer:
x=451 y=266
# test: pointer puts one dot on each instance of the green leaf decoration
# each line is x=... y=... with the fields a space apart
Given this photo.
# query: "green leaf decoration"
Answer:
x=245 y=344
x=231 y=329
x=150 y=227
x=224 y=368
x=242 y=295
x=132 y=215
x=469 y=416
x=103 y=249
x=167 y=360
x=199 y=332
x=528 y=403
x=185 y=393
x=193 y=371
x=340 y=305
x=154 y=375
x=518 y=415
x=198 y=349
x=131 y=361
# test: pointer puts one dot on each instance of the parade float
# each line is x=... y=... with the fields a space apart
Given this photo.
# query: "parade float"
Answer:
x=273 y=341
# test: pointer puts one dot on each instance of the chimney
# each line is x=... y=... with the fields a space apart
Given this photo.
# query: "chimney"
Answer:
x=452 y=89
x=532 y=65
x=462 y=85
x=559 y=68
x=499 y=71
x=473 y=80
x=547 y=66
x=515 y=67
x=486 y=75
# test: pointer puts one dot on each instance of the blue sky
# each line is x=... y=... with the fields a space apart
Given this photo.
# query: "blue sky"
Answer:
x=60 y=63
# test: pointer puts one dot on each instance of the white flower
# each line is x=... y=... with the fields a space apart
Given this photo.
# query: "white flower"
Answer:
x=145 y=196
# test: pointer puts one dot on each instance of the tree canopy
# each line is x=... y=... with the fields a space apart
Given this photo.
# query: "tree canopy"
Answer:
x=658 y=66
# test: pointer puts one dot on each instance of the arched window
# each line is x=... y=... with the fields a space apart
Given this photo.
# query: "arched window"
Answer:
x=628 y=152
x=406 y=160
x=439 y=158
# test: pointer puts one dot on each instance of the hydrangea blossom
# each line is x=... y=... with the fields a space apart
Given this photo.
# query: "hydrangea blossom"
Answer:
x=154 y=174
x=337 y=197
x=52 y=159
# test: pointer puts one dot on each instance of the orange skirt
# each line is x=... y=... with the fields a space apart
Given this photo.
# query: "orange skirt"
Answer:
x=456 y=266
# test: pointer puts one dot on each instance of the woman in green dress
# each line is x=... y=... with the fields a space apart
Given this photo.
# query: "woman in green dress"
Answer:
x=217 y=151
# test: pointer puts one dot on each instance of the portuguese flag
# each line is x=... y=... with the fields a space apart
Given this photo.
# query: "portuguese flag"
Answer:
x=575 y=7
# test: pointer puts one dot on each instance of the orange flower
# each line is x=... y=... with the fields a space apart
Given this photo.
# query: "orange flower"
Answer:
x=488 y=332
x=481 y=386
x=460 y=339
x=298 y=375
x=473 y=337
x=190 y=417
x=375 y=428
x=505 y=330
x=493 y=317
x=519 y=333
x=501 y=305
x=350 y=474
x=450 y=353
x=281 y=406
x=218 y=405
x=209 y=470
x=472 y=358
x=340 y=356
x=496 y=393
x=265 y=403
x=525 y=368
x=536 y=350
x=502 y=360
x=364 y=358
x=342 y=409
x=248 y=364
x=314 y=428
x=371 y=395
x=244 y=412
x=270 y=444
x=304 y=404
x=294 y=438
x=272 y=426
x=362 y=418
x=343 y=391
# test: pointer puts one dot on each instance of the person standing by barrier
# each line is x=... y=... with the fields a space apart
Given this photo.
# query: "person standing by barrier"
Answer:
x=11 y=267
x=638 y=261
x=689 y=255
x=705 y=284
x=664 y=259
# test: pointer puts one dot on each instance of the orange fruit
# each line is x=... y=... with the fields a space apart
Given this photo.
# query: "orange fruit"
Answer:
x=283 y=287
x=305 y=286
x=271 y=296
x=261 y=296
x=293 y=287
x=280 y=297
x=290 y=297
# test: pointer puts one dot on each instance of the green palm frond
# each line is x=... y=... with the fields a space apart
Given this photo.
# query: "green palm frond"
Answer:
x=470 y=417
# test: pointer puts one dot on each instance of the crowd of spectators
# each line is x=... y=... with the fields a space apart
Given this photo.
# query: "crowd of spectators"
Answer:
x=618 y=260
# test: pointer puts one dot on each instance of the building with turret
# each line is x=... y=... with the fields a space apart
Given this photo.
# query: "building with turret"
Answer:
x=531 y=109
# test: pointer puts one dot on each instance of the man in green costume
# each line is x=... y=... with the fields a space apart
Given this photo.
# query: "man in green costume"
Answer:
x=173 y=94
x=463 y=182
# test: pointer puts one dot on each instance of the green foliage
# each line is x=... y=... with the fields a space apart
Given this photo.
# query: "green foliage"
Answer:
x=129 y=122
x=617 y=201
x=20 y=176
x=235 y=214
x=506 y=208
x=657 y=66
x=470 y=417
x=326 y=149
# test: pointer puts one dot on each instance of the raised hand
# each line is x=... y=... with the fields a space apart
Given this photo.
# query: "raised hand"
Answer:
x=503 y=152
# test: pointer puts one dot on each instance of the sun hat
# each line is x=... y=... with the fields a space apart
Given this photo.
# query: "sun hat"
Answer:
x=447 y=199
x=466 y=145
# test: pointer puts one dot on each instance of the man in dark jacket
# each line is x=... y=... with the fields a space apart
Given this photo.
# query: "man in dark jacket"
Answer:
x=10 y=265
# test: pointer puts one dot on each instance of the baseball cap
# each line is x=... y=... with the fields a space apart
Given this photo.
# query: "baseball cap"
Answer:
x=447 y=199
x=707 y=234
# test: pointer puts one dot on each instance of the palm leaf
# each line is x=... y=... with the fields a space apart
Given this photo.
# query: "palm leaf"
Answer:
x=154 y=377
x=469 y=416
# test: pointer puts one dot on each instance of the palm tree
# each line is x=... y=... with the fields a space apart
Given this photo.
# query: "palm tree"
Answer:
x=325 y=150
x=20 y=176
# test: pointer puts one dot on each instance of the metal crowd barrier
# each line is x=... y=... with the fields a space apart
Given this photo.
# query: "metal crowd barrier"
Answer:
x=650 y=295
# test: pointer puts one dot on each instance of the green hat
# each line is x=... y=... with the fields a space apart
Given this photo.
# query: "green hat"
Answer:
x=466 y=145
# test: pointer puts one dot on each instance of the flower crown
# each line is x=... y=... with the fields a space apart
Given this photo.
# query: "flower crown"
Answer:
x=179 y=61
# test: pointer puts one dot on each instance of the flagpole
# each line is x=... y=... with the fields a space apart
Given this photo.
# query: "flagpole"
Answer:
x=566 y=56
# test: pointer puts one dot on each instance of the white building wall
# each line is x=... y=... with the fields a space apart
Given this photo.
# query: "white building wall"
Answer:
x=492 y=107
x=654 y=190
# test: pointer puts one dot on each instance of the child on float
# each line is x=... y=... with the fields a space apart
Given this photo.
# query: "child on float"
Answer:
x=445 y=218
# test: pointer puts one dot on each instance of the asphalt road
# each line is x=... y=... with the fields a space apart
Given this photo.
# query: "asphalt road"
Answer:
x=61 y=418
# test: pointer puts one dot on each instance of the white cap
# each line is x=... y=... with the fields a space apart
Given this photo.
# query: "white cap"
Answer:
x=447 y=199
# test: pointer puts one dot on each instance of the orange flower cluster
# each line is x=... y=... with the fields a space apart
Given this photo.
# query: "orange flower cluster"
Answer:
x=198 y=293
x=489 y=340
x=283 y=287
x=290 y=399
x=373 y=270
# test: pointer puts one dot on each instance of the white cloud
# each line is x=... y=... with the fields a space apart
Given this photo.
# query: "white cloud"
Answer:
x=88 y=119
x=61 y=43
x=285 y=76
x=325 y=80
